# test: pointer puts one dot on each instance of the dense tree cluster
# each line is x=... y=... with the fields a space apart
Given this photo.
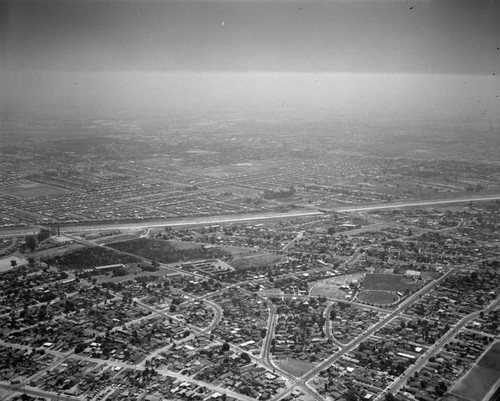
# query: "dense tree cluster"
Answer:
x=163 y=251
x=90 y=257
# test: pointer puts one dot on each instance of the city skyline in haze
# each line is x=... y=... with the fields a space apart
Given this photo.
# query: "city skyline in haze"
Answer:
x=369 y=56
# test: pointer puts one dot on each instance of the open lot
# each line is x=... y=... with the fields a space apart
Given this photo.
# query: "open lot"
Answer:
x=388 y=282
x=52 y=252
x=479 y=380
x=5 y=263
x=31 y=190
x=294 y=367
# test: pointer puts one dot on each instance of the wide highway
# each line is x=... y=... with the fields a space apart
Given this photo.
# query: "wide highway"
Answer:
x=239 y=218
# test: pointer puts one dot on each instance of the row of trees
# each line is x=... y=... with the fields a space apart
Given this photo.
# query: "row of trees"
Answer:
x=90 y=257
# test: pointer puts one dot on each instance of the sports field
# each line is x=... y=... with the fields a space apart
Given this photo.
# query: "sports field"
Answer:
x=330 y=287
x=479 y=380
x=377 y=297
x=388 y=282
x=328 y=290
x=30 y=190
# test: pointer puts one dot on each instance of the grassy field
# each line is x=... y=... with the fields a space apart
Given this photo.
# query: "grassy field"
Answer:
x=184 y=244
x=491 y=359
x=330 y=287
x=479 y=380
x=238 y=251
x=328 y=290
x=31 y=190
x=427 y=276
x=256 y=260
x=388 y=282
x=294 y=367
x=5 y=263
x=377 y=297
x=344 y=279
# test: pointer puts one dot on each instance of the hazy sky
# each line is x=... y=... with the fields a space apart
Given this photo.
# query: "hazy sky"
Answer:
x=433 y=56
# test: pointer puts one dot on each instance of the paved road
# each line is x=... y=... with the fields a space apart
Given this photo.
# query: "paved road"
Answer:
x=328 y=331
x=266 y=348
x=36 y=392
x=195 y=221
x=399 y=205
x=170 y=373
x=434 y=350
x=143 y=259
x=216 y=319
x=303 y=382
x=299 y=236
x=250 y=217
x=266 y=359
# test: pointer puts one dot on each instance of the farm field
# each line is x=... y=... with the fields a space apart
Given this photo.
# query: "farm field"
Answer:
x=479 y=380
x=31 y=190
x=388 y=282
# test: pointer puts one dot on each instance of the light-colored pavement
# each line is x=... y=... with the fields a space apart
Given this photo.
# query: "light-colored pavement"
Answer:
x=299 y=236
x=37 y=392
x=254 y=217
x=265 y=359
x=303 y=382
x=192 y=221
x=399 y=205
x=434 y=350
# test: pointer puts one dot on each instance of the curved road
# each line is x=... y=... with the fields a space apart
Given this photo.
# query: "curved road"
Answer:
x=304 y=379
